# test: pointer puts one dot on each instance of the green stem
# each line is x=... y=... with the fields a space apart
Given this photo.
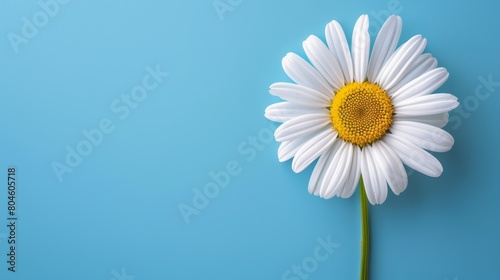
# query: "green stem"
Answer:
x=365 y=238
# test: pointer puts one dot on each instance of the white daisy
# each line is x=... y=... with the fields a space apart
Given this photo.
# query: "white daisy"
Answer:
x=361 y=115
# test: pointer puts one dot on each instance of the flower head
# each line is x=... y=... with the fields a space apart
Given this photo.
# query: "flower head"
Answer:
x=361 y=114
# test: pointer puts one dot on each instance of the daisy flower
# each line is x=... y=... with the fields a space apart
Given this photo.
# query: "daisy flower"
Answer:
x=361 y=115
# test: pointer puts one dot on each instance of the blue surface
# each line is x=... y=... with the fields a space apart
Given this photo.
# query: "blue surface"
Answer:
x=117 y=215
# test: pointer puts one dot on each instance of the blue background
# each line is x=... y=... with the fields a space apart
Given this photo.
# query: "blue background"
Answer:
x=117 y=215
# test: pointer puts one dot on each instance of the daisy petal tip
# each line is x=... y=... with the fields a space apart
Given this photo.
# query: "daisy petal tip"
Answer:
x=278 y=135
x=272 y=116
x=298 y=164
x=282 y=157
x=445 y=74
x=295 y=168
x=279 y=138
x=436 y=175
x=402 y=188
x=424 y=41
x=332 y=25
x=363 y=17
x=274 y=85
x=372 y=201
x=309 y=39
x=332 y=22
x=437 y=171
x=266 y=115
x=350 y=193
x=394 y=20
x=286 y=58
x=380 y=200
x=344 y=196
x=441 y=70
x=327 y=196
x=311 y=187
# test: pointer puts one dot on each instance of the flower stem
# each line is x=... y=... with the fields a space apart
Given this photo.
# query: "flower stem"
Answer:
x=365 y=237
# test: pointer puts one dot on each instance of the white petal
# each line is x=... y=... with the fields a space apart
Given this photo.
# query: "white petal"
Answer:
x=398 y=65
x=426 y=105
x=425 y=84
x=437 y=120
x=337 y=172
x=352 y=180
x=392 y=167
x=283 y=111
x=324 y=61
x=385 y=44
x=318 y=174
x=300 y=94
x=312 y=149
x=288 y=149
x=423 y=64
x=366 y=174
x=360 y=48
x=337 y=43
x=304 y=74
x=373 y=177
x=301 y=126
x=414 y=156
x=424 y=135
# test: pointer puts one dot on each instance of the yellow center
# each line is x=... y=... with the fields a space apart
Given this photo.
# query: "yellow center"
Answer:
x=361 y=113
